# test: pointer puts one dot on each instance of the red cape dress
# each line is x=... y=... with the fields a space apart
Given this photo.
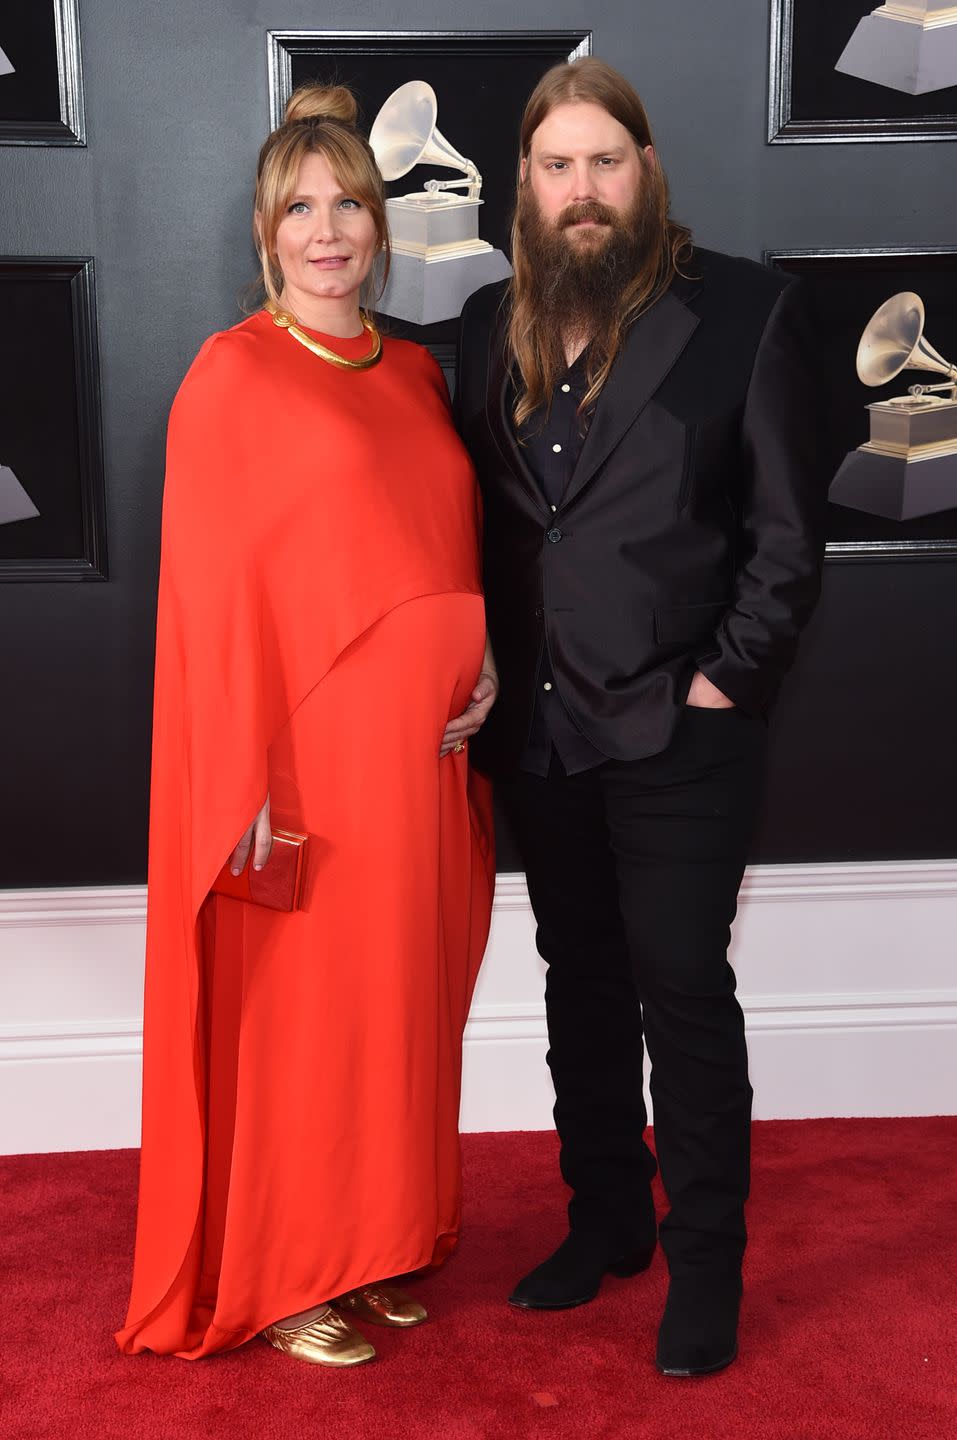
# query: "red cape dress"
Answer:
x=320 y=619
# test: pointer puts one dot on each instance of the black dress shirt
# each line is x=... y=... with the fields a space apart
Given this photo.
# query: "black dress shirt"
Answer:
x=552 y=446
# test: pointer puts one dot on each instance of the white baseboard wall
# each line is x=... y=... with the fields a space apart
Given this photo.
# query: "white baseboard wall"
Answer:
x=845 y=972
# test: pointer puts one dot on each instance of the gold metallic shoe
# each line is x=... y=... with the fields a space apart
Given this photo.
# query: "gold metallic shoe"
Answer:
x=327 y=1339
x=382 y=1305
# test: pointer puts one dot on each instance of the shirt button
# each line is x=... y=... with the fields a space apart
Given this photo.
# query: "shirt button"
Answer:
x=547 y=685
x=553 y=537
x=557 y=449
x=554 y=508
x=565 y=389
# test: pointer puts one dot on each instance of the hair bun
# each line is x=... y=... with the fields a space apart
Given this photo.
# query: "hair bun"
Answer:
x=322 y=102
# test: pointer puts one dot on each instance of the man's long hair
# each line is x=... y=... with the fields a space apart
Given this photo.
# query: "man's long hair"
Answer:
x=534 y=336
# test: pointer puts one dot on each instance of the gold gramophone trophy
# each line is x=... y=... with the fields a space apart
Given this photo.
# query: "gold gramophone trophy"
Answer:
x=909 y=465
x=908 y=45
x=437 y=256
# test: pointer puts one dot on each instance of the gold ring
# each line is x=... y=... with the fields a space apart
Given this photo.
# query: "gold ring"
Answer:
x=458 y=747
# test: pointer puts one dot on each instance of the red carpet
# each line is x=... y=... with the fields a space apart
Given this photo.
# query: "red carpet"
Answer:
x=849 y=1331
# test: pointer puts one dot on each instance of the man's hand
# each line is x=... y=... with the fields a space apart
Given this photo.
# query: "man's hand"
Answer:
x=470 y=722
x=705 y=696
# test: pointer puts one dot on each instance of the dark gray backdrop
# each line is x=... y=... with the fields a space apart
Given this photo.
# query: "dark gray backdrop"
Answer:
x=863 y=762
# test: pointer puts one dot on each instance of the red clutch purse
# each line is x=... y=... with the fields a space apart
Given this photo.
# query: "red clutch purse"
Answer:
x=278 y=885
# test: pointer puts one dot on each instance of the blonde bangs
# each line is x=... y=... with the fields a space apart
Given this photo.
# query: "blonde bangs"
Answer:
x=281 y=157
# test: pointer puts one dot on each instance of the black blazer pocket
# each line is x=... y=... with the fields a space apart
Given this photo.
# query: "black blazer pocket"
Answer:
x=686 y=624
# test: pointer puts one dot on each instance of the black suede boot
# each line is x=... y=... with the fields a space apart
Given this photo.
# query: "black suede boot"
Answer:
x=573 y=1275
x=699 y=1329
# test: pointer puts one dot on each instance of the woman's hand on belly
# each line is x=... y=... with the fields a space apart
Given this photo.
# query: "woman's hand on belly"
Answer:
x=475 y=714
x=258 y=839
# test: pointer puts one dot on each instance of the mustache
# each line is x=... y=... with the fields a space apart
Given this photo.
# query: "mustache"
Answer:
x=581 y=284
x=592 y=210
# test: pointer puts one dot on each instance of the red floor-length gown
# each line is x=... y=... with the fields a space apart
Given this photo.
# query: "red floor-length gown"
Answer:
x=320 y=620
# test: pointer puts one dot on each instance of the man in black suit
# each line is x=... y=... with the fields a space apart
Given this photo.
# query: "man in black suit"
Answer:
x=640 y=415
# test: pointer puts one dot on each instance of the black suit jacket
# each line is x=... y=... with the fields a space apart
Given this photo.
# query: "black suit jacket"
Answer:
x=691 y=533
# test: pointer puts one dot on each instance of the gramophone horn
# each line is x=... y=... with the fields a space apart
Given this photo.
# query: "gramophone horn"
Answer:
x=894 y=341
x=405 y=134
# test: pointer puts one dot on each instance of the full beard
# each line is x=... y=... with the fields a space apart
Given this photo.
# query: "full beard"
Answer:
x=576 y=281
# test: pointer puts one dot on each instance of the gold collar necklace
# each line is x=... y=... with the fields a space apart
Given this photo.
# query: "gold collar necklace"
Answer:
x=285 y=321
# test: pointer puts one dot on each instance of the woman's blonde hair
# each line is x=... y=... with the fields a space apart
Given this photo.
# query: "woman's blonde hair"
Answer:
x=320 y=120
x=533 y=337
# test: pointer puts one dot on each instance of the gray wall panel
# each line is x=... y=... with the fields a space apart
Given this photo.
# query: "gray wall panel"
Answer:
x=176 y=108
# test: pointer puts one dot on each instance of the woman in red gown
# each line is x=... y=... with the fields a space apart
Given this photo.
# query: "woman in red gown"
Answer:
x=321 y=661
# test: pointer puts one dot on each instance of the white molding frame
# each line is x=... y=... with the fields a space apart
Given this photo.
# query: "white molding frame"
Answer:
x=873 y=1031
x=109 y=905
x=855 y=880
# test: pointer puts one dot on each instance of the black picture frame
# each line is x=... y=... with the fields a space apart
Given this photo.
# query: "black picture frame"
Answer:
x=482 y=79
x=41 y=102
x=809 y=102
x=50 y=427
x=843 y=289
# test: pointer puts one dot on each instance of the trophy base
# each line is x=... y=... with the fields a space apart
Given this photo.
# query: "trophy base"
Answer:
x=425 y=221
x=15 y=503
x=903 y=53
x=897 y=487
x=913 y=426
x=425 y=290
x=452 y=251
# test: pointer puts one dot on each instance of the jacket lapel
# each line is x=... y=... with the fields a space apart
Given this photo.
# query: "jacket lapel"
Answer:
x=651 y=348
x=500 y=423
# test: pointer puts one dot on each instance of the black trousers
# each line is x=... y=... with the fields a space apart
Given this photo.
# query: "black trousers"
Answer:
x=633 y=872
